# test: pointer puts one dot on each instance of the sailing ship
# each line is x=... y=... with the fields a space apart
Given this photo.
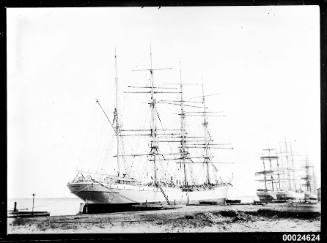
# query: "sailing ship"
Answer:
x=281 y=182
x=290 y=188
x=268 y=193
x=124 y=188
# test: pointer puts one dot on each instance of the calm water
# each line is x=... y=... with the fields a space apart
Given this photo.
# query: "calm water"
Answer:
x=56 y=206
x=69 y=206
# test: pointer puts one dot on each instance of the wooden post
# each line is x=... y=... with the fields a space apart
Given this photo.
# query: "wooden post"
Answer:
x=33 y=202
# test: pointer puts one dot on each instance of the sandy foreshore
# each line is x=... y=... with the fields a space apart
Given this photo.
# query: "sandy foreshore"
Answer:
x=237 y=218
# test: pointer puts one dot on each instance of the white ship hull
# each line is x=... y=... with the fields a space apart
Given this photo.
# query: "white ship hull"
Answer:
x=124 y=193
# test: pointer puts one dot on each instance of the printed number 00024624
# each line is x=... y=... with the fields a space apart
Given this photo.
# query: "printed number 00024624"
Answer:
x=301 y=237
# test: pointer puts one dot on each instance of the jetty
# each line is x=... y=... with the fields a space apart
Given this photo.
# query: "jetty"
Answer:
x=18 y=213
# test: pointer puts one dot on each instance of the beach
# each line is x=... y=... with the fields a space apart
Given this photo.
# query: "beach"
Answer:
x=207 y=218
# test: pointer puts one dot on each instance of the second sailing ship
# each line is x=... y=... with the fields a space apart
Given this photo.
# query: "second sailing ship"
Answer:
x=281 y=182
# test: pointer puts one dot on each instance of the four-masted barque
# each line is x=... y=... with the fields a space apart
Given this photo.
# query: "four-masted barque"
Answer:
x=122 y=188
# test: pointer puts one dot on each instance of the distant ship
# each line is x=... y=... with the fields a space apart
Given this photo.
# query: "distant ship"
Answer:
x=268 y=193
x=309 y=183
x=123 y=188
x=280 y=180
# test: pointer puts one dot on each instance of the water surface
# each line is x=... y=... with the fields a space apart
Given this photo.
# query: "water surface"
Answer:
x=56 y=206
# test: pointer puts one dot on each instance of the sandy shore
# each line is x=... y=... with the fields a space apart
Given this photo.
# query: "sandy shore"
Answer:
x=237 y=218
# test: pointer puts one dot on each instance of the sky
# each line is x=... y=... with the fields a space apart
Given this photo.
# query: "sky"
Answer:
x=262 y=64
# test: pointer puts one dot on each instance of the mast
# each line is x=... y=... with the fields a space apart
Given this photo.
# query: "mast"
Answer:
x=269 y=171
x=270 y=157
x=153 y=124
x=183 y=152
x=153 y=131
x=264 y=175
x=307 y=177
x=116 y=120
x=293 y=167
x=314 y=186
x=270 y=166
x=206 y=142
x=288 y=167
x=278 y=172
